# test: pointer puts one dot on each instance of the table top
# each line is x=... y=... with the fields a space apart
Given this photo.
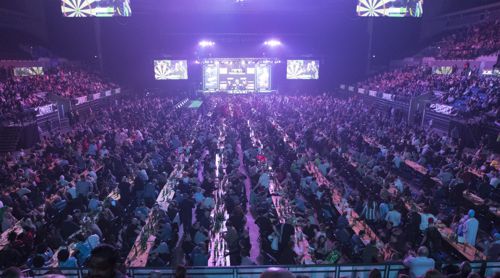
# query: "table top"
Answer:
x=3 y=239
x=138 y=257
x=356 y=224
x=415 y=166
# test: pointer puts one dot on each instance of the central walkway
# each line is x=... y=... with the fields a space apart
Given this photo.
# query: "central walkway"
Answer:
x=252 y=227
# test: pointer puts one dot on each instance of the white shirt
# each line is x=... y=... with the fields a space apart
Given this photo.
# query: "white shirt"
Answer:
x=419 y=265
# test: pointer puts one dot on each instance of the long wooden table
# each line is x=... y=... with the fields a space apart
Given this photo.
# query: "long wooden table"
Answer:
x=355 y=221
x=139 y=254
x=218 y=247
x=284 y=210
x=4 y=237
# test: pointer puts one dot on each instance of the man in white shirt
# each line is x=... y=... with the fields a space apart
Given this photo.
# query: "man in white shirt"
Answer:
x=420 y=264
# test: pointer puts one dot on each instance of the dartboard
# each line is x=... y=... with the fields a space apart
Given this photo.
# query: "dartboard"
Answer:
x=372 y=7
x=295 y=70
x=77 y=8
x=162 y=70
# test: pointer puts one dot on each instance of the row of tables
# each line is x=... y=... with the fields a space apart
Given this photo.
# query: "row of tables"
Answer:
x=17 y=228
x=218 y=248
x=341 y=205
x=284 y=209
x=466 y=250
x=139 y=254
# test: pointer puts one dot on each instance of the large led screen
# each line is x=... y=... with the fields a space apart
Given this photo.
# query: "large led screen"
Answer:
x=302 y=69
x=237 y=75
x=171 y=69
x=28 y=71
x=95 y=8
x=390 y=8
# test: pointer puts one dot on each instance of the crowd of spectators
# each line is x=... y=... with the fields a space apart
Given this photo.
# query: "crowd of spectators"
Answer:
x=470 y=42
x=468 y=91
x=21 y=93
x=55 y=208
x=59 y=199
x=309 y=120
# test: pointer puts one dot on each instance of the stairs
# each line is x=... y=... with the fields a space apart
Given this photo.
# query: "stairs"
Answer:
x=9 y=139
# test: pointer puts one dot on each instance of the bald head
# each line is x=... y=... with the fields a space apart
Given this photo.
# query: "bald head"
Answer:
x=275 y=272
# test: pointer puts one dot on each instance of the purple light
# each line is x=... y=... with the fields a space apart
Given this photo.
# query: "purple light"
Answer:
x=205 y=43
x=272 y=43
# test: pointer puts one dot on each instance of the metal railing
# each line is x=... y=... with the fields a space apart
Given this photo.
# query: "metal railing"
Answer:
x=388 y=270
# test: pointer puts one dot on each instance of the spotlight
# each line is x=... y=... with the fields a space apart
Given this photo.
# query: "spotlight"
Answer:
x=272 y=43
x=206 y=43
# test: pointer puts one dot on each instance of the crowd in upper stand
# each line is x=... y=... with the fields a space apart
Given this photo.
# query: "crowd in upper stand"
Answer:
x=470 y=42
x=62 y=190
x=465 y=88
x=20 y=93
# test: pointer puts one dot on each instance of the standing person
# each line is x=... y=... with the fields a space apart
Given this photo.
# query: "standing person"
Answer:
x=370 y=211
x=393 y=216
x=419 y=264
x=412 y=228
x=186 y=212
x=432 y=239
x=471 y=227
x=370 y=253
x=83 y=187
x=104 y=262
x=493 y=252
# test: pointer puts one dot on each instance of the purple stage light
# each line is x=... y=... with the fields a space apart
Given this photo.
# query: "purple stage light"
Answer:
x=272 y=43
x=206 y=43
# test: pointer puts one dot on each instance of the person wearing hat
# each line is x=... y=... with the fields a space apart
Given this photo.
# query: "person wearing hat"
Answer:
x=471 y=227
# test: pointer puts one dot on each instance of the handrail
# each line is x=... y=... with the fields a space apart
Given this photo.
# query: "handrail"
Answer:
x=389 y=270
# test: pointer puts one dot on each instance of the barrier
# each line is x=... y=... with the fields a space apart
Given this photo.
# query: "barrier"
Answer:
x=44 y=110
x=361 y=90
x=388 y=270
x=96 y=96
x=388 y=96
x=442 y=109
x=81 y=100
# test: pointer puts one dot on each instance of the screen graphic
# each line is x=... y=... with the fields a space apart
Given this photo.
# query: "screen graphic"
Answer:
x=95 y=8
x=171 y=69
x=237 y=75
x=28 y=71
x=390 y=8
x=302 y=69
x=443 y=70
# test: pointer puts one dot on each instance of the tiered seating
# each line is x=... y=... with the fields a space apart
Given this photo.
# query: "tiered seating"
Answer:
x=18 y=94
x=470 y=42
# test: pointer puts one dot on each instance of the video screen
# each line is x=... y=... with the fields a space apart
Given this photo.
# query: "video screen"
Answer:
x=237 y=75
x=390 y=8
x=28 y=71
x=95 y=8
x=442 y=70
x=302 y=69
x=171 y=69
